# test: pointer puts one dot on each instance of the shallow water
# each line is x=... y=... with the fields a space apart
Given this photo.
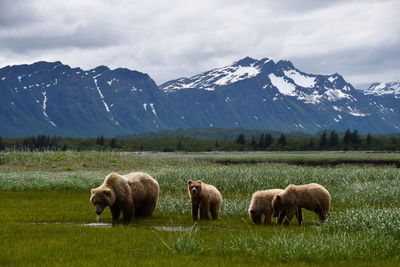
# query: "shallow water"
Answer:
x=97 y=224
x=171 y=228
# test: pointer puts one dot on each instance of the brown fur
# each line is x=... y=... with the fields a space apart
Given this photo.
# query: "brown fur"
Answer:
x=206 y=197
x=134 y=194
x=260 y=205
x=312 y=197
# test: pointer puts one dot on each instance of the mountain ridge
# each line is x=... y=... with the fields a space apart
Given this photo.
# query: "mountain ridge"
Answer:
x=56 y=99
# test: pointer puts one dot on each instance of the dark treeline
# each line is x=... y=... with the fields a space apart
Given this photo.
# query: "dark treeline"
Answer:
x=327 y=140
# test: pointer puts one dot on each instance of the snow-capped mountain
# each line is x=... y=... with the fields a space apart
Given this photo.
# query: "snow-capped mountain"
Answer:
x=390 y=88
x=53 y=98
x=262 y=94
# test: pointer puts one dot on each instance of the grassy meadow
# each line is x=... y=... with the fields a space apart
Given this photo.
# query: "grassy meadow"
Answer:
x=46 y=217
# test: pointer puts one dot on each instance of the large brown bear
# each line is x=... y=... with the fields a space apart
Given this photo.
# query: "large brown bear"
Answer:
x=261 y=205
x=134 y=194
x=295 y=197
x=206 y=197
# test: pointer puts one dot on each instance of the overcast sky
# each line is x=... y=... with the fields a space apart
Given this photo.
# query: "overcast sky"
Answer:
x=359 y=39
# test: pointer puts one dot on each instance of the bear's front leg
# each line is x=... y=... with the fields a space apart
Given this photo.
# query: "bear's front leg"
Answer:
x=299 y=215
x=195 y=209
x=289 y=215
x=281 y=216
x=204 y=209
x=128 y=210
x=115 y=211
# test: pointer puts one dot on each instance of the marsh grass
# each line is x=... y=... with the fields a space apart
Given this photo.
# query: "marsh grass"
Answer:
x=44 y=210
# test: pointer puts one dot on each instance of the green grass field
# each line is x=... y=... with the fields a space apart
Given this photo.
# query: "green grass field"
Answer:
x=46 y=217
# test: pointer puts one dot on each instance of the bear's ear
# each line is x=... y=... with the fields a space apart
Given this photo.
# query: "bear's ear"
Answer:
x=278 y=197
x=92 y=191
x=189 y=182
x=107 y=192
x=199 y=181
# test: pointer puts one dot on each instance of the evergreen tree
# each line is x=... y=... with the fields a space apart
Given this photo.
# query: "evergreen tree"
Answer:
x=268 y=140
x=179 y=145
x=2 y=146
x=323 y=140
x=100 y=141
x=113 y=143
x=333 y=139
x=261 y=142
x=311 y=144
x=282 y=140
x=253 y=143
x=241 y=140
x=369 y=140
x=347 y=137
x=216 y=144
x=355 y=139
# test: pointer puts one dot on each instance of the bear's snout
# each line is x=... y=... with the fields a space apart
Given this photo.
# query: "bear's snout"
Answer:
x=99 y=209
x=193 y=190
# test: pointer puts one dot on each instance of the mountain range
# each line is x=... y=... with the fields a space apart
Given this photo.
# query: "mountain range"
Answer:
x=55 y=99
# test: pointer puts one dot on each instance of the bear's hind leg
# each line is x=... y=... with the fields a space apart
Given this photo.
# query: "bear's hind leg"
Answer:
x=214 y=209
x=267 y=219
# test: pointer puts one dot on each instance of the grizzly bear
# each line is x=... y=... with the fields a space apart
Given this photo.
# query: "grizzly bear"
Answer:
x=205 y=196
x=260 y=205
x=312 y=197
x=134 y=194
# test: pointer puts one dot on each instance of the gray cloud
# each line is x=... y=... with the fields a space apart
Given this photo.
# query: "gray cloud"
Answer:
x=170 y=39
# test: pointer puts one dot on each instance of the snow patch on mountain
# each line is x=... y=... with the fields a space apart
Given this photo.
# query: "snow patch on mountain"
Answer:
x=100 y=93
x=300 y=79
x=336 y=94
x=356 y=112
x=44 y=106
x=283 y=86
x=234 y=74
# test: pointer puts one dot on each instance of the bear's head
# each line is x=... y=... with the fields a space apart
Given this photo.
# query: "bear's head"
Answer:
x=194 y=187
x=102 y=198
x=278 y=205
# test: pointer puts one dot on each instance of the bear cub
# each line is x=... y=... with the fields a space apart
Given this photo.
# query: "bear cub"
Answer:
x=133 y=195
x=261 y=205
x=206 y=197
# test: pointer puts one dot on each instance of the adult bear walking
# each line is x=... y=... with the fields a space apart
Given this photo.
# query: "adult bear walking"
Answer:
x=134 y=194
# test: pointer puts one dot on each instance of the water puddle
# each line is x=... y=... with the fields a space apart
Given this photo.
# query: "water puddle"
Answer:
x=96 y=224
x=165 y=228
x=174 y=228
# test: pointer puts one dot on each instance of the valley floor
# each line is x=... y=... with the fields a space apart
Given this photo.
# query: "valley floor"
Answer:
x=47 y=219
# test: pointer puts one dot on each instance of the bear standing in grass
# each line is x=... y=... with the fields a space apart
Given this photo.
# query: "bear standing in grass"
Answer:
x=134 y=194
x=295 y=197
x=261 y=204
x=206 y=197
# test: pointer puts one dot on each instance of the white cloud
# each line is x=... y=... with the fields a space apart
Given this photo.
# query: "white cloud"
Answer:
x=169 y=39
